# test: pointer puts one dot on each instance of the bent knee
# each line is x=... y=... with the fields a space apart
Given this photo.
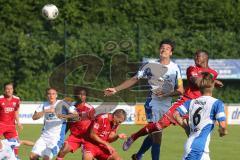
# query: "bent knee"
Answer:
x=33 y=156
x=88 y=156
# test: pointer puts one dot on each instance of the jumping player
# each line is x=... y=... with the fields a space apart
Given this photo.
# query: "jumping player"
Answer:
x=9 y=115
x=203 y=112
x=156 y=104
x=102 y=132
x=194 y=77
x=53 y=132
x=78 y=129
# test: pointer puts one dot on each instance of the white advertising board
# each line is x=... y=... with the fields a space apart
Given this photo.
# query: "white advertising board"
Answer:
x=27 y=109
x=233 y=114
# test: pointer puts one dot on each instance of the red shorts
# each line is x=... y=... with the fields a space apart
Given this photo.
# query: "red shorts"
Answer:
x=74 y=142
x=99 y=152
x=168 y=118
x=8 y=131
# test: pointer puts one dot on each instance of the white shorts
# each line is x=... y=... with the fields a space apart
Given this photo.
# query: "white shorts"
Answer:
x=204 y=156
x=154 y=110
x=45 y=147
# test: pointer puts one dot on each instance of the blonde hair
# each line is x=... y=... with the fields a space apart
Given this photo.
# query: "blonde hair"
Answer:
x=207 y=82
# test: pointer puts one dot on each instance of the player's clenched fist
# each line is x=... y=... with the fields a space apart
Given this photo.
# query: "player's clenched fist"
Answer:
x=122 y=136
x=110 y=91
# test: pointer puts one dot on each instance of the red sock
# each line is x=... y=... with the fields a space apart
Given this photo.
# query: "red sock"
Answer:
x=149 y=128
x=16 y=149
x=58 y=158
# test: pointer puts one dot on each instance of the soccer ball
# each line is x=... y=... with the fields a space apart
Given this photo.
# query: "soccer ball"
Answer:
x=50 y=11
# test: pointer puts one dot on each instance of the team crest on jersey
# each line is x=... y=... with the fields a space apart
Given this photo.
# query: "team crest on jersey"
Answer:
x=3 y=104
x=14 y=104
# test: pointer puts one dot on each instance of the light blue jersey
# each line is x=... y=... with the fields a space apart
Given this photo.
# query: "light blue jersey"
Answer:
x=53 y=132
x=203 y=112
x=156 y=107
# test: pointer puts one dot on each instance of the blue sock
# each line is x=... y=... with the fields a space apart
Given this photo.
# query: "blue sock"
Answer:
x=155 y=151
x=147 y=143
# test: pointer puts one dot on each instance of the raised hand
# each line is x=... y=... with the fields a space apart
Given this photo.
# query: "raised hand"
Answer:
x=110 y=91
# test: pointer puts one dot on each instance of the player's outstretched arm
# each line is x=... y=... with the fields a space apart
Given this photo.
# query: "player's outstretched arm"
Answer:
x=69 y=116
x=126 y=84
x=222 y=129
x=37 y=115
x=26 y=143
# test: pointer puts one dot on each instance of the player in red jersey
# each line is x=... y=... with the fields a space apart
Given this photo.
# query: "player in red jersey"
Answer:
x=102 y=132
x=78 y=129
x=194 y=76
x=9 y=115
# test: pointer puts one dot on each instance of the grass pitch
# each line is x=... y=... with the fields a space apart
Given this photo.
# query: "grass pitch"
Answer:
x=226 y=148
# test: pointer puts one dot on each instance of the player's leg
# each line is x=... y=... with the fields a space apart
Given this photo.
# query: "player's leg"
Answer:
x=147 y=143
x=63 y=151
x=71 y=144
x=88 y=156
x=12 y=136
x=46 y=157
x=49 y=153
x=38 y=149
x=89 y=151
x=158 y=110
x=114 y=156
x=104 y=154
x=34 y=156
x=26 y=143
x=156 y=139
x=147 y=129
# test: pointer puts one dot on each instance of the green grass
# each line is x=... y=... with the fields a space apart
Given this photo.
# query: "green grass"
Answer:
x=226 y=148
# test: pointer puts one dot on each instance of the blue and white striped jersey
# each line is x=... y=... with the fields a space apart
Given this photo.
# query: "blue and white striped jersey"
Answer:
x=203 y=112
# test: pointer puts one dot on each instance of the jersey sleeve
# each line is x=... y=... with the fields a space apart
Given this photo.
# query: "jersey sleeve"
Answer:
x=214 y=73
x=184 y=108
x=142 y=73
x=179 y=80
x=17 y=105
x=191 y=72
x=39 y=108
x=219 y=113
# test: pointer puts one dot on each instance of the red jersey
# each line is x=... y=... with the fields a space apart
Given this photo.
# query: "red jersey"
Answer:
x=103 y=126
x=192 y=91
x=7 y=109
x=86 y=113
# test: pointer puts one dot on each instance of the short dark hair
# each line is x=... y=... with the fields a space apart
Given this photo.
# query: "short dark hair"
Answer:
x=202 y=51
x=8 y=83
x=119 y=112
x=169 y=42
x=50 y=88
x=78 y=90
